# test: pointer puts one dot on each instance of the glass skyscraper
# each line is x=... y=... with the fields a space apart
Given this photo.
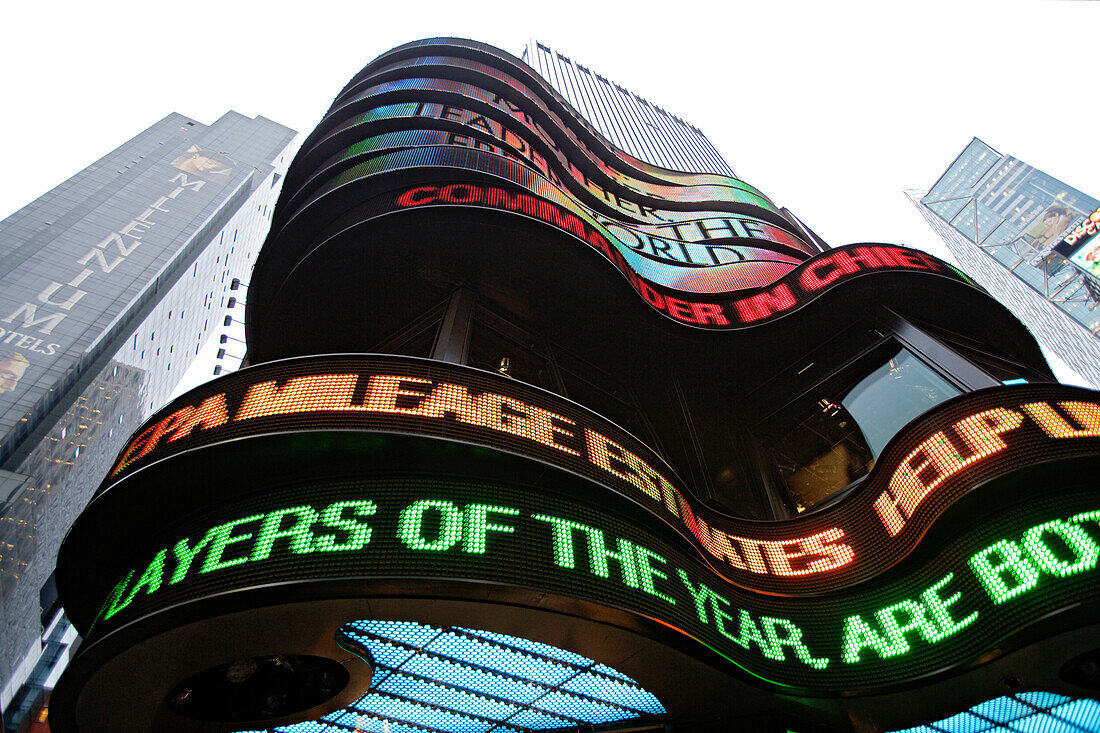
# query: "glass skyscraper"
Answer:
x=112 y=283
x=633 y=124
x=1008 y=224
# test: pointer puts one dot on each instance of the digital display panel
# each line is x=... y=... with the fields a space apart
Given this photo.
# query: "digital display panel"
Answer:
x=542 y=116
x=807 y=282
x=695 y=233
x=1082 y=240
x=1079 y=234
x=794 y=284
x=435 y=127
x=939 y=458
x=980 y=586
x=517 y=129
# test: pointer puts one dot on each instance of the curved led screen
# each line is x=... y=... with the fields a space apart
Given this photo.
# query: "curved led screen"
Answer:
x=459 y=124
x=974 y=589
x=936 y=460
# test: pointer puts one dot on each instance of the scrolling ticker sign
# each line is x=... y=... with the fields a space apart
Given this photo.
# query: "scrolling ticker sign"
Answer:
x=797 y=603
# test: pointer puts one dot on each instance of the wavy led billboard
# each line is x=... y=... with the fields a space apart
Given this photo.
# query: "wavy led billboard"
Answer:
x=794 y=603
x=937 y=461
x=449 y=195
x=492 y=134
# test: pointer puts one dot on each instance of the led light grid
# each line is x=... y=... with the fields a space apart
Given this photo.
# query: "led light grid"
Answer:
x=502 y=141
x=637 y=201
x=943 y=612
x=559 y=124
x=928 y=466
x=762 y=268
x=495 y=59
x=1026 y=712
x=503 y=121
x=690 y=294
x=462 y=679
x=555 y=138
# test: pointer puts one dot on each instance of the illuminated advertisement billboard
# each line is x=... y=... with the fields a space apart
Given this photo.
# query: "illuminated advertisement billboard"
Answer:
x=997 y=579
x=911 y=484
x=688 y=235
x=794 y=603
x=1080 y=245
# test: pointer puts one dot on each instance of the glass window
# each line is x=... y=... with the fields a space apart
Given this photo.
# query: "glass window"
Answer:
x=831 y=436
x=415 y=339
x=499 y=346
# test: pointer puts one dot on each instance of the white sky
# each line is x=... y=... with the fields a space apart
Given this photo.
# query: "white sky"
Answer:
x=830 y=107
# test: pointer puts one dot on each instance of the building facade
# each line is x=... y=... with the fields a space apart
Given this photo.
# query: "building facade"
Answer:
x=1006 y=222
x=628 y=121
x=112 y=283
x=538 y=436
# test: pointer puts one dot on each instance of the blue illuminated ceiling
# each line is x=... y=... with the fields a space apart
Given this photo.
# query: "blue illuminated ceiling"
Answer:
x=459 y=680
x=1026 y=712
x=429 y=679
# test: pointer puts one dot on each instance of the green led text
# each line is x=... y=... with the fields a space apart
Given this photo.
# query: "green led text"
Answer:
x=301 y=530
x=894 y=629
x=1058 y=548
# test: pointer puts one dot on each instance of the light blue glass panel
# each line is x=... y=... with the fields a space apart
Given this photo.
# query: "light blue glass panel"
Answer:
x=1026 y=712
x=1040 y=723
x=477 y=680
x=947 y=209
x=620 y=693
x=988 y=222
x=1042 y=700
x=1083 y=713
x=964 y=723
x=409 y=633
x=966 y=171
x=491 y=656
x=373 y=724
x=545 y=650
x=540 y=720
x=385 y=654
x=1002 y=709
x=965 y=222
x=580 y=708
x=470 y=681
x=445 y=696
x=311 y=726
x=403 y=710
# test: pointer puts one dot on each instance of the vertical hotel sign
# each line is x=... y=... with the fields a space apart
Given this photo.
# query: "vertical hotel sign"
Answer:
x=58 y=301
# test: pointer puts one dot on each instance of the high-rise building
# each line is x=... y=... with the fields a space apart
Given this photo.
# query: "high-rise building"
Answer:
x=536 y=435
x=1006 y=222
x=112 y=282
x=638 y=130
x=635 y=126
